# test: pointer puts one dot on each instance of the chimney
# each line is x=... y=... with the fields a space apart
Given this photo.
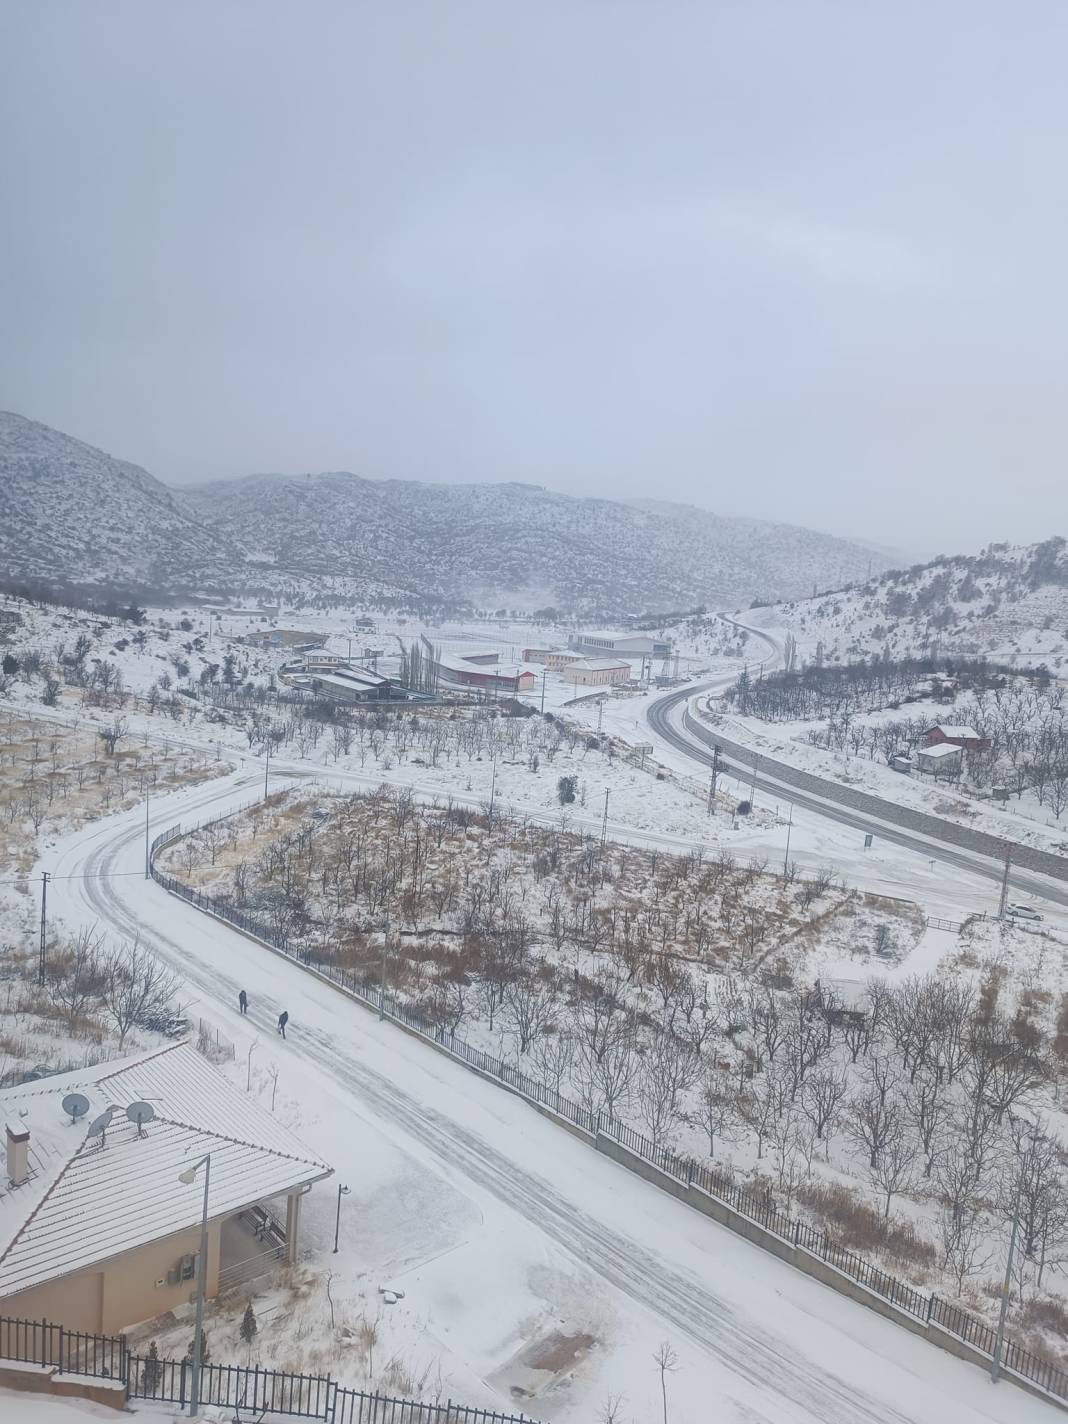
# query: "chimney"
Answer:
x=18 y=1153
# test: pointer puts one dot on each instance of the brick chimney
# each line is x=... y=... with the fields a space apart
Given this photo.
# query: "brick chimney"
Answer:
x=18 y=1153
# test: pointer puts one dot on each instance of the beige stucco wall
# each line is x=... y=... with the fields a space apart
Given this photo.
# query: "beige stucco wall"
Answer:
x=120 y=1292
x=597 y=677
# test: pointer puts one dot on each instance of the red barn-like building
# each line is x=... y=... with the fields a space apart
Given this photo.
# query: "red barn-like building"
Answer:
x=966 y=737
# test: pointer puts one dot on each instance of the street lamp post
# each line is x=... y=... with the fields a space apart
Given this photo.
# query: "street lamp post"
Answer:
x=786 y=857
x=341 y=1192
x=188 y=1177
x=382 y=990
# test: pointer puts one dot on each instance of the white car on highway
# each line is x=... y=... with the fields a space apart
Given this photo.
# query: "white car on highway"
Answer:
x=1022 y=912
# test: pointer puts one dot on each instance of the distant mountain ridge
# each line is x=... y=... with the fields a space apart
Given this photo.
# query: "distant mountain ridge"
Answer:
x=70 y=510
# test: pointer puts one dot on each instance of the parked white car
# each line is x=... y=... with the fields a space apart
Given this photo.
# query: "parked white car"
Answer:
x=1022 y=912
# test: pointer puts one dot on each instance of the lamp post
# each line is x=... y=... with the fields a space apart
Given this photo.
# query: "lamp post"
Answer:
x=267 y=769
x=188 y=1177
x=382 y=990
x=786 y=857
x=341 y=1192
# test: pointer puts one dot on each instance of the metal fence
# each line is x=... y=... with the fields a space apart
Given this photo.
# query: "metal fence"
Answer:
x=754 y=1205
x=237 y=1387
x=42 y=1342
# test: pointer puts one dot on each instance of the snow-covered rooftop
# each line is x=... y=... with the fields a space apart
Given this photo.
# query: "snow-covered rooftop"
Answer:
x=91 y=1198
x=596 y=664
x=948 y=730
x=943 y=749
x=349 y=677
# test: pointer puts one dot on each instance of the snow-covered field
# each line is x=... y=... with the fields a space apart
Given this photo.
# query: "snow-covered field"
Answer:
x=503 y=1230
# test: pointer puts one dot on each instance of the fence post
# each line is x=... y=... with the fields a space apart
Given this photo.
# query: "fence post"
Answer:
x=930 y=1306
x=60 y=1351
x=797 y=1233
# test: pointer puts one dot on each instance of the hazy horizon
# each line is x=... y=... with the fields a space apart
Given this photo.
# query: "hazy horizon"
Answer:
x=783 y=261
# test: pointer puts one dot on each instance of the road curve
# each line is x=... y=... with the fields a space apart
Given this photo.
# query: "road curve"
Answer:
x=828 y=799
x=339 y=1041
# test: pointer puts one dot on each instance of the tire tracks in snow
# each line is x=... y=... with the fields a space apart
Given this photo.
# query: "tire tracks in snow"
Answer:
x=738 y=1343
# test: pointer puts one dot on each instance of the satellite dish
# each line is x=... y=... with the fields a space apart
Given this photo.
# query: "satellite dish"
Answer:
x=100 y=1125
x=77 y=1104
x=140 y=1113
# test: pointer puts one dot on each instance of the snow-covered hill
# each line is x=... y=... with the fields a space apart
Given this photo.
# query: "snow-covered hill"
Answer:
x=71 y=511
x=1009 y=602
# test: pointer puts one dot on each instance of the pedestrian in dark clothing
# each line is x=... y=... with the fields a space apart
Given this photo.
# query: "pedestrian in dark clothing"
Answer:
x=242 y=1000
x=283 y=1019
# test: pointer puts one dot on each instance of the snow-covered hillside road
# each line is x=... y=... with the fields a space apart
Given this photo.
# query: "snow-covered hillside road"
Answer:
x=758 y=1343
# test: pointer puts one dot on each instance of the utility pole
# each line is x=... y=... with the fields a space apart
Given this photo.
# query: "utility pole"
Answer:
x=604 y=822
x=1005 y=884
x=493 y=787
x=543 y=673
x=711 y=794
x=600 y=714
x=789 y=828
x=267 y=768
x=44 y=925
x=715 y=768
x=752 y=788
x=995 y=1363
x=148 y=802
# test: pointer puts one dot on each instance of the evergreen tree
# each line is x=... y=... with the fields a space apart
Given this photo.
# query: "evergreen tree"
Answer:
x=152 y=1370
x=248 y=1325
x=205 y=1353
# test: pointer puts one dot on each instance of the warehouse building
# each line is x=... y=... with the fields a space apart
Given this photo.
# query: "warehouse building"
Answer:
x=598 y=643
x=598 y=672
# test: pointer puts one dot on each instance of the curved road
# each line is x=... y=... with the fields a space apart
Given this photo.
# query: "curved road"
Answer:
x=778 y=1348
x=659 y=715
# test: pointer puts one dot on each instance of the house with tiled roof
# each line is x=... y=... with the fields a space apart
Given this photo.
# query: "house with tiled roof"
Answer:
x=97 y=1232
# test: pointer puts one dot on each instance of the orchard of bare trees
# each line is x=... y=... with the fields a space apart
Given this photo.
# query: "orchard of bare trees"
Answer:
x=677 y=994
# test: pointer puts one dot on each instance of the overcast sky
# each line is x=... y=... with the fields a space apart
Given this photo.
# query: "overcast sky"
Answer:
x=800 y=260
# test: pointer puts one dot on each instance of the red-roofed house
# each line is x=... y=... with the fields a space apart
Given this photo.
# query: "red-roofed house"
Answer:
x=966 y=737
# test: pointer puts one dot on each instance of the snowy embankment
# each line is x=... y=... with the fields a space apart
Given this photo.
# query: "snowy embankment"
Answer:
x=504 y=1231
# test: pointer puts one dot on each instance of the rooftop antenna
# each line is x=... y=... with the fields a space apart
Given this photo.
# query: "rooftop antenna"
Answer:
x=140 y=1113
x=99 y=1126
x=77 y=1104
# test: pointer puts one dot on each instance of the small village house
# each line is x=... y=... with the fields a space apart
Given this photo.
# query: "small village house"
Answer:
x=967 y=738
x=96 y=1231
x=943 y=759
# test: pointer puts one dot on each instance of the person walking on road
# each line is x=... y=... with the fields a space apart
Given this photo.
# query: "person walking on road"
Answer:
x=283 y=1019
x=242 y=1002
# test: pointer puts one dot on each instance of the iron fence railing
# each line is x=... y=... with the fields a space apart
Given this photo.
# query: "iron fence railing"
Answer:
x=238 y=1387
x=43 y=1342
x=754 y=1204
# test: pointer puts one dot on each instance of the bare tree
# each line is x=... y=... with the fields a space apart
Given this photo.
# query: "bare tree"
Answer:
x=822 y=1097
x=113 y=735
x=667 y=1362
x=667 y=1070
x=76 y=977
x=717 y=1110
x=529 y=1009
x=895 y=1169
x=134 y=986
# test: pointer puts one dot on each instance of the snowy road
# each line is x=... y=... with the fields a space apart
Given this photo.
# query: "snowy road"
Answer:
x=758 y=1343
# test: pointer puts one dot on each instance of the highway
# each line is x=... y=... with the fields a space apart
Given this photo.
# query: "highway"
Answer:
x=940 y=839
